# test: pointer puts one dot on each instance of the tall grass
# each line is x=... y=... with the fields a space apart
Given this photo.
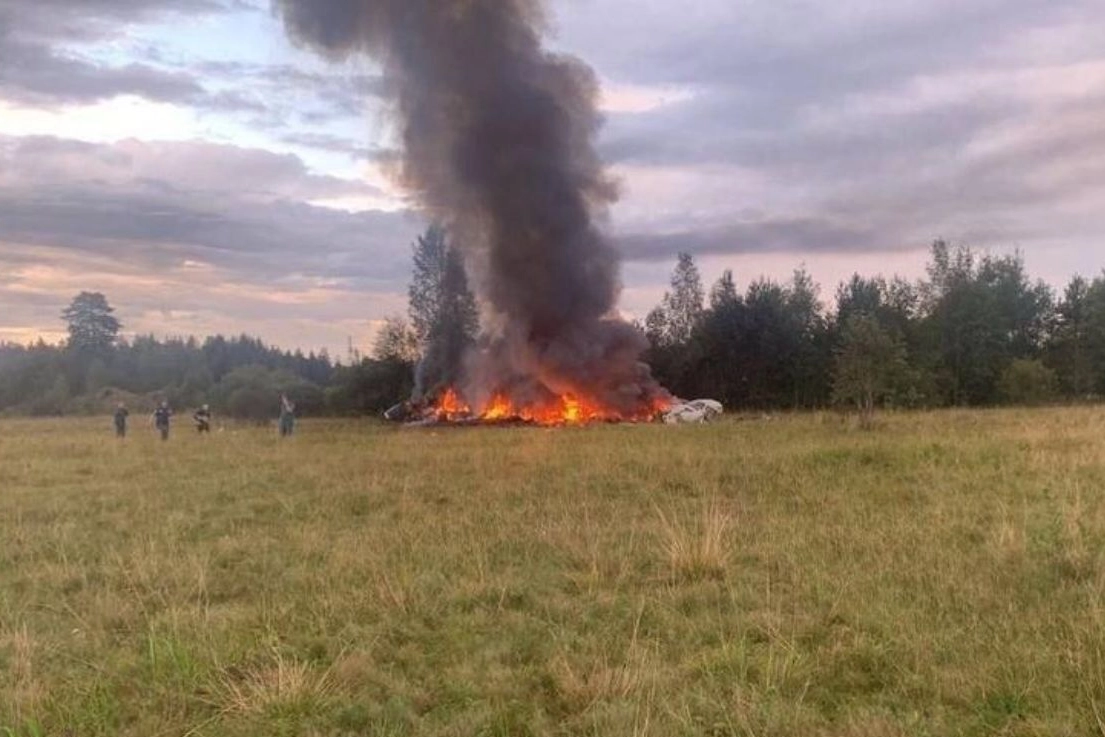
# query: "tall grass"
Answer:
x=700 y=547
x=942 y=575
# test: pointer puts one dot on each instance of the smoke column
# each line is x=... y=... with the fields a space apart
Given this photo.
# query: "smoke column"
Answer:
x=498 y=145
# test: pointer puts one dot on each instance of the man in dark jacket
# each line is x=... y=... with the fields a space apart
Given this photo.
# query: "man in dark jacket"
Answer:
x=161 y=417
x=121 y=415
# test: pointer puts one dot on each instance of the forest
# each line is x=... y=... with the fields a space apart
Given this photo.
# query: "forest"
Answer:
x=977 y=330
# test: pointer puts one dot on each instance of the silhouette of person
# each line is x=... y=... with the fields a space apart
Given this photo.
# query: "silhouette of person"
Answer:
x=161 y=417
x=202 y=418
x=121 y=415
x=287 y=416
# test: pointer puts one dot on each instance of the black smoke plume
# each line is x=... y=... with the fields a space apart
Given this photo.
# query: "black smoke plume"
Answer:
x=497 y=139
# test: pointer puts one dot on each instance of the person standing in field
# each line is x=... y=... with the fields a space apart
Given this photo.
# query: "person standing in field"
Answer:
x=121 y=415
x=161 y=417
x=202 y=418
x=287 y=416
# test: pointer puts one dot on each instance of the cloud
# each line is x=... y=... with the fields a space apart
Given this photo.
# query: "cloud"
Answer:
x=161 y=205
x=60 y=53
x=194 y=237
x=860 y=128
x=808 y=235
x=36 y=75
x=41 y=60
x=747 y=132
x=88 y=20
x=795 y=52
x=290 y=93
x=337 y=144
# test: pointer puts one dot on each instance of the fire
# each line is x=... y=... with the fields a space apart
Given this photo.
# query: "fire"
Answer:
x=500 y=408
x=571 y=409
x=567 y=409
x=451 y=407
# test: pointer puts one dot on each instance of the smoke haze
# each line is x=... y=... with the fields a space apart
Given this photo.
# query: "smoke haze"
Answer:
x=498 y=145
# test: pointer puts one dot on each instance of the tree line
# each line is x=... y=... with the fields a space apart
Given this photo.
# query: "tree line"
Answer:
x=96 y=369
x=242 y=376
x=976 y=330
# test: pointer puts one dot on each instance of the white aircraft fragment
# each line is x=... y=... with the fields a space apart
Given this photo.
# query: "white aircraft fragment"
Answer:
x=697 y=412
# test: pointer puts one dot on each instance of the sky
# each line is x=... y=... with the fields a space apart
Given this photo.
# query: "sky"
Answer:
x=185 y=159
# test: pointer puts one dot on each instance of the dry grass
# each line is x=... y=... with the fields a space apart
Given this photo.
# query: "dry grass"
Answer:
x=26 y=691
x=278 y=683
x=698 y=548
x=942 y=575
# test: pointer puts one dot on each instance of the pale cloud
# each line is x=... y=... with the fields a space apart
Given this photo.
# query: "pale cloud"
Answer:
x=107 y=121
x=637 y=99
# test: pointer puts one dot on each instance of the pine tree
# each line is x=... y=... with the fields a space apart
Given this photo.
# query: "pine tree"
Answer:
x=443 y=311
x=92 y=326
x=424 y=293
x=1071 y=346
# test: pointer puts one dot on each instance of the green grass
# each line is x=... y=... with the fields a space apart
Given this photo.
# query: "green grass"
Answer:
x=940 y=576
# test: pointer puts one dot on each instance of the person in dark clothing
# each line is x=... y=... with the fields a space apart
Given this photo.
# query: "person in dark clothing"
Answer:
x=202 y=418
x=161 y=417
x=121 y=415
x=287 y=416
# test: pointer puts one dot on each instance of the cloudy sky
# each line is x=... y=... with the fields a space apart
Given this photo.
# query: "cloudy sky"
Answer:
x=183 y=158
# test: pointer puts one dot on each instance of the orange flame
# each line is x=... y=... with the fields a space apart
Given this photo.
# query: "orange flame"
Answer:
x=451 y=407
x=499 y=408
x=567 y=409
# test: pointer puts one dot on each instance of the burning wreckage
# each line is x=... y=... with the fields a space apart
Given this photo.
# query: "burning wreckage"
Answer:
x=497 y=140
x=450 y=409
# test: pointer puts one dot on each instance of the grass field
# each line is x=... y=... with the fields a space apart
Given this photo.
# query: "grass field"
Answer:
x=939 y=576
